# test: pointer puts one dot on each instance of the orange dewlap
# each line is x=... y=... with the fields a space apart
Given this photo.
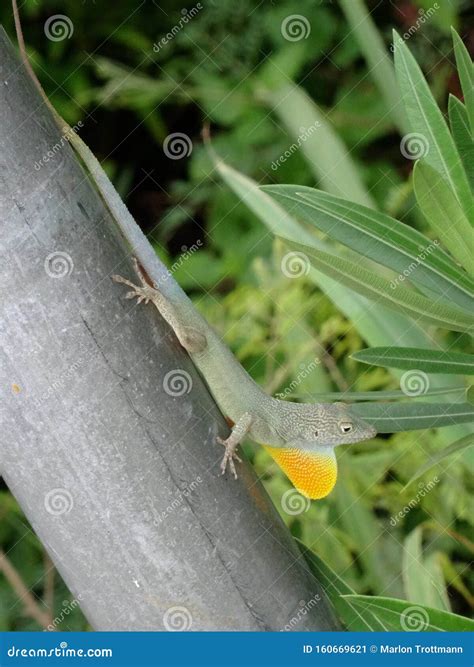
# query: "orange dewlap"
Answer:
x=313 y=474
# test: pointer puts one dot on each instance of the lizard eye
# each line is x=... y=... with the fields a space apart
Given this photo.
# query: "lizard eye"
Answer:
x=346 y=427
x=316 y=433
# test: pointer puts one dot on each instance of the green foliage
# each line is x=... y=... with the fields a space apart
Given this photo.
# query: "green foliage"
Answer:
x=390 y=245
x=380 y=290
x=445 y=453
x=466 y=75
x=443 y=210
x=374 y=613
x=380 y=67
x=462 y=136
x=401 y=615
x=381 y=238
x=393 y=417
x=426 y=120
x=431 y=361
x=338 y=591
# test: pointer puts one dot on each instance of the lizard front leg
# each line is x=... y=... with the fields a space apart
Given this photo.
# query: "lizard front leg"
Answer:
x=238 y=433
x=190 y=338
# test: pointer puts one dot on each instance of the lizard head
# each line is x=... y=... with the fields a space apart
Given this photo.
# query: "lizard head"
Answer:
x=311 y=432
x=327 y=425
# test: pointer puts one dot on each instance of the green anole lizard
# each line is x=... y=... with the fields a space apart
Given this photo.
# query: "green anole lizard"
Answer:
x=300 y=437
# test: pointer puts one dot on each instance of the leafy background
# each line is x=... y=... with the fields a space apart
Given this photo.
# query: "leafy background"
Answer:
x=225 y=68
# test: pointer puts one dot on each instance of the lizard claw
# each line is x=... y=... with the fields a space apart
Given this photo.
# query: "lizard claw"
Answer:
x=142 y=293
x=229 y=456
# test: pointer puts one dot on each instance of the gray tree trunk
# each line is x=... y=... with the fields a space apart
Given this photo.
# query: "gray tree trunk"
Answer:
x=113 y=461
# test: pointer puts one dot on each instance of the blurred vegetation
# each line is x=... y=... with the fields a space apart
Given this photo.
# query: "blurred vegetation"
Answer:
x=221 y=68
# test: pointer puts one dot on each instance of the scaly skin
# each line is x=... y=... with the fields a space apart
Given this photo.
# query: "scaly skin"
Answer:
x=300 y=437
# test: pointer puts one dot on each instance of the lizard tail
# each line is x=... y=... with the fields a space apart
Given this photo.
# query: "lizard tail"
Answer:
x=313 y=474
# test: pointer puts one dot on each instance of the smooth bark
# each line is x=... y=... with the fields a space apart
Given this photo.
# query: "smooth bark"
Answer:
x=113 y=462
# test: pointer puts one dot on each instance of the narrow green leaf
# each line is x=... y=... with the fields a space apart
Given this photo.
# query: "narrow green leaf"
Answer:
x=423 y=581
x=433 y=566
x=470 y=394
x=458 y=446
x=429 y=128
x=335 y=587
x=275 y=217
x=440 y=207
x=354 y=517
x=380 y=67
x=381 y=290
x=402 y=615
x=380 y=238
x=384 y=395
x=408 y=358
x=412 y=416
x=453 y=577
x=327 y=156
x=466 y=75
x=462 y=136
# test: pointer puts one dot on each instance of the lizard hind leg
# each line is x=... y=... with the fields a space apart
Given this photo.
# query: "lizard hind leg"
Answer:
x=239 y=431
